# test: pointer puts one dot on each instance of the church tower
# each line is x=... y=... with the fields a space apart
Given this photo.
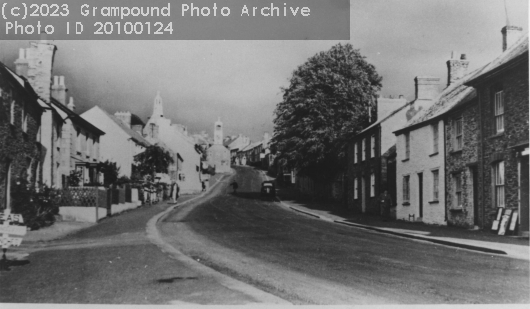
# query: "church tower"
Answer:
x=158 y=109
x=218 y=132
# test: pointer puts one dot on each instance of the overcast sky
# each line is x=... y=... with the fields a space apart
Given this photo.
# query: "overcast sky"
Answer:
x=240 y=81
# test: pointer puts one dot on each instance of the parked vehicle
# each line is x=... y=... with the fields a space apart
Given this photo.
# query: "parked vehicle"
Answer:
x=268 y=188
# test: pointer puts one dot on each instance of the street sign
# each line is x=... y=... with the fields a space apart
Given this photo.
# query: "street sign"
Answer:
x=7 y=242
x=18 y=230
x=7 y=227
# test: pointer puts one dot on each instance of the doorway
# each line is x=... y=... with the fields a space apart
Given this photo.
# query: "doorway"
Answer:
x=523 y=189
x=420 y=189
x=363 y=194
x=475 y=196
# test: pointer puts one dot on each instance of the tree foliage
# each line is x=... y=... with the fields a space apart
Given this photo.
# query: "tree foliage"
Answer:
x=110 y=172
x=327 y=101
x=153 y=160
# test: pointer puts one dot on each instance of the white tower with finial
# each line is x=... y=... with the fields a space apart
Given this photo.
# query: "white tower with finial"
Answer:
x=158 y=108
x=218 y=132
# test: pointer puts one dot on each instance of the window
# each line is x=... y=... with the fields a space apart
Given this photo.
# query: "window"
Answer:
x=372 y=185
x=435 y=185
x=12 y=112
x=356 y=152
x=83 y=139
x=78 y=141
x=407 y=145
x=38 y=134
x=29 y=163
x=363 y=149
x=372 y=154
x=458 y=189
x=24 y=117
x=89 y=145
x=435 y=138
x=458 y=129
x=498 y=183
x=37 y=175
x=406 y=188
x=499 y=112
x=356 y=188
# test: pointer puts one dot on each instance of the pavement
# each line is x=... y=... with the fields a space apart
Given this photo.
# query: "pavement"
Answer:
x=476 y=240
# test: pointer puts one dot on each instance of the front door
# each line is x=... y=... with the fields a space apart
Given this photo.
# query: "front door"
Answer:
x=475 y=196
x=523 y=206
x=363 y=194
x=420 y=189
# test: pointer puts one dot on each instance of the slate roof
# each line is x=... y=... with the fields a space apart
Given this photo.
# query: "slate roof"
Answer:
x=76 y=118
x=386 y=117
x=519 y=48
x=133 y=134
x=462 y=92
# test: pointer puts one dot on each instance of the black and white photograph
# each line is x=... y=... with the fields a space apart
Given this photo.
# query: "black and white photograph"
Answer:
x=264 y=153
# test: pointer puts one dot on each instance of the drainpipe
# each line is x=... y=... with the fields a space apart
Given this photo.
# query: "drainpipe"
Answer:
x=481 y=158
x=444 y=169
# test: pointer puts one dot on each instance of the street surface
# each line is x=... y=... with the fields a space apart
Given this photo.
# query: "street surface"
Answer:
x=112 y=262
x=309 y=261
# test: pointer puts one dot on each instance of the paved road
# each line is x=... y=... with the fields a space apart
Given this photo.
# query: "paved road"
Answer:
x=309 y=261
x=112 y=262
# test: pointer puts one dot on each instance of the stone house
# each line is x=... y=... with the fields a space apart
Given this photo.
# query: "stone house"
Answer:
x=420 y=162
x=371 y=158
x=502 y=88
x=21 y=151
x=218 y=155
x=79 y=148
x=35 y=64
x=183 y=147
x=120 y=144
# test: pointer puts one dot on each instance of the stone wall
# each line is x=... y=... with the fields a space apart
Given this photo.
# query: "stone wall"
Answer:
x=20 y=150
x=463 y=162
x=497 y=147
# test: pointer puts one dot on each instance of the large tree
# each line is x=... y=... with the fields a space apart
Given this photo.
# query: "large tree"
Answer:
x=328 y=100
x=153 y=160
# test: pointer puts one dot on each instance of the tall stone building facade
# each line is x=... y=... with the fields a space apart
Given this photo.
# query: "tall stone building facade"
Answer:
x=21 y=151
x=371 y=158
x=218 y=155
x=502 y=88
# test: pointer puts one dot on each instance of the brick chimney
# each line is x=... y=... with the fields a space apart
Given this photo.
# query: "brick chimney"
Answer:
x=510 y=34
x=40 y=57
x=21 y=64
x=137 y=128
x=456 y=68
x=125 y=117
x=426 y=90
x=71 y=105
x=59 y=89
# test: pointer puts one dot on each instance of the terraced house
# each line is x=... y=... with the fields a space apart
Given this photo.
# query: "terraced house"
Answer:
x=371 y=157
x=502 y=88
x=21 y=151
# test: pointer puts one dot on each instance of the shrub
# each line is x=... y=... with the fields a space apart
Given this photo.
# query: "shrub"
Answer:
x=37 y=207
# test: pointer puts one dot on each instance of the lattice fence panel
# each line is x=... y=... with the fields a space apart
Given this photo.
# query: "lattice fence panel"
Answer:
x=82 y=196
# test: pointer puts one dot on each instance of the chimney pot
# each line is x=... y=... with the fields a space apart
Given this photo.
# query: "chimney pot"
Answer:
x=61 y=80
x=21 y=54
x=463 y=57
x=56 y=80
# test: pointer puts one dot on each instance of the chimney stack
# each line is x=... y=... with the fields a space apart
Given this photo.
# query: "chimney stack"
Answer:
x=21 y=64
x=426 y=90
x=59 y=89
x=125 y=117
x=40 y=64
x=456 y=68
x=510 y=34
x=71 y=105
